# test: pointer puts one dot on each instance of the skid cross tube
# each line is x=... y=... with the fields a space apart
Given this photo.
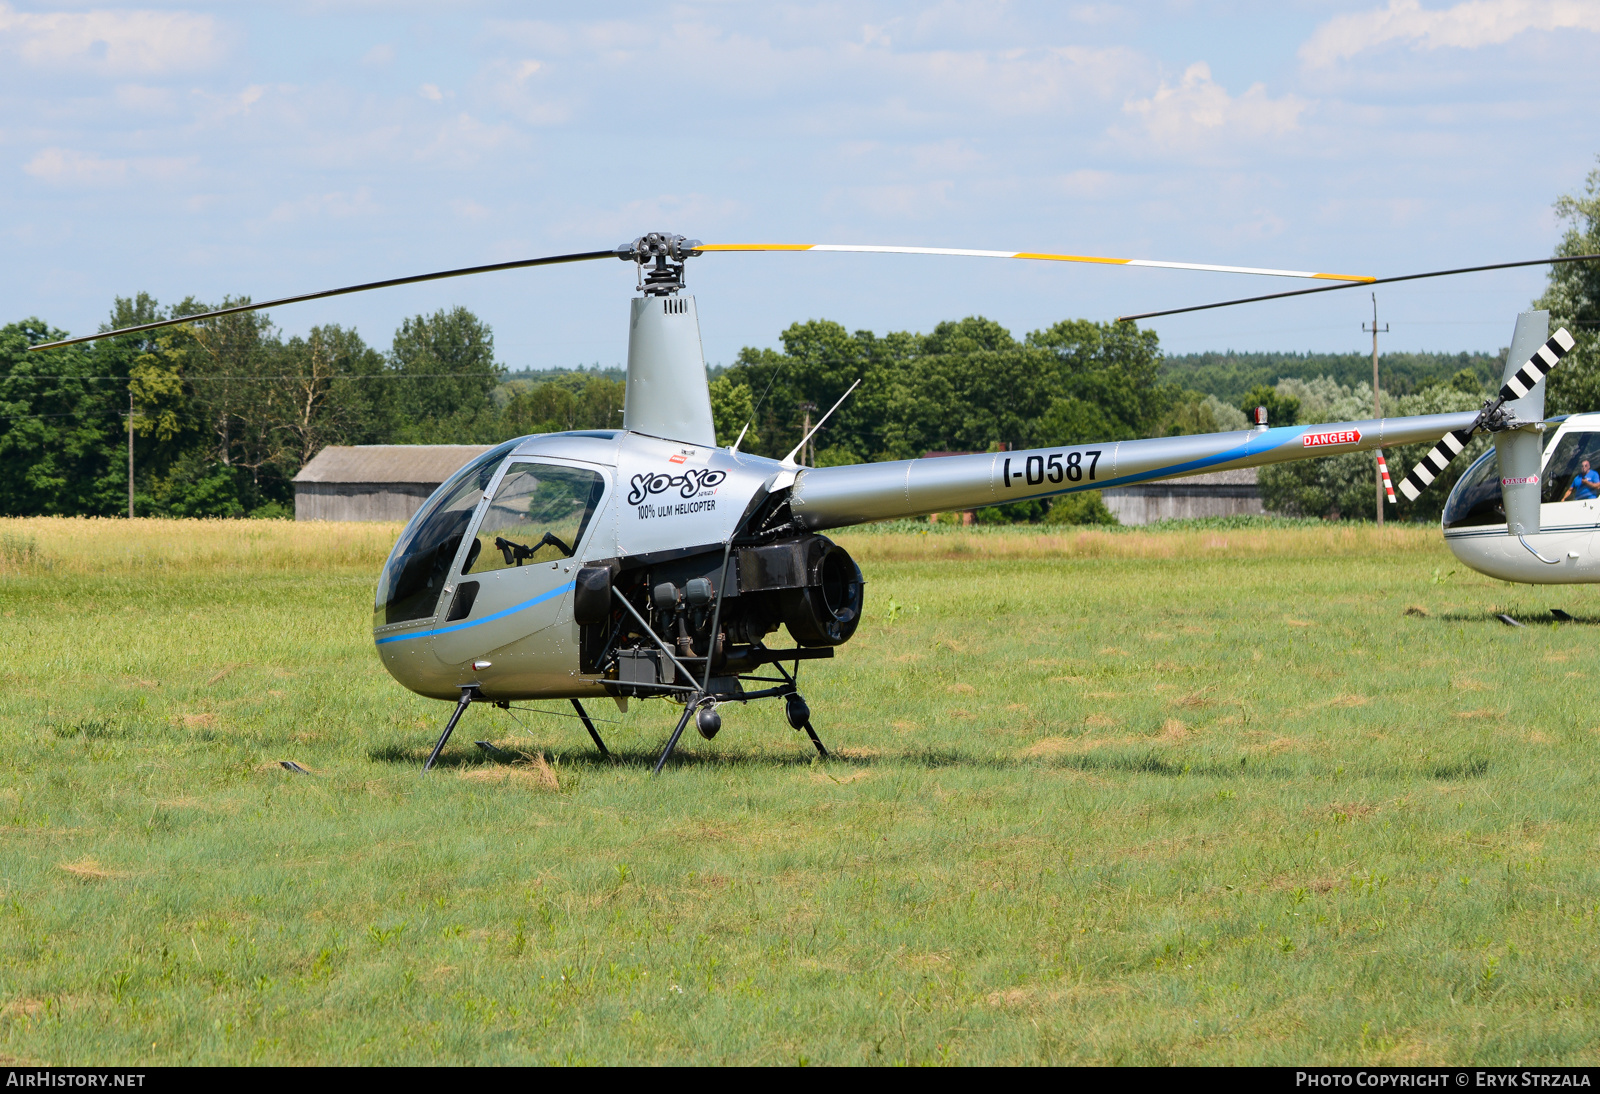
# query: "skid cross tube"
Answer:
x=469 y=694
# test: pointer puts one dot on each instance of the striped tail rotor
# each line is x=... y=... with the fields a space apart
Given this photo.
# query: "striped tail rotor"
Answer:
x=1545 y=358
x=1522 y=381
x=1383 y=470
x=1422 y=475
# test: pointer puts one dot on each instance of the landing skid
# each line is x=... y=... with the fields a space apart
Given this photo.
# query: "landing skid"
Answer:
x=699 y=703
x=470 y=694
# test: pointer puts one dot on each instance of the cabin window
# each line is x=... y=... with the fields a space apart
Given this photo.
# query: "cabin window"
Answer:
x=418 y=566
x=539 y=514
x=1565 y=462
x=1476 y=498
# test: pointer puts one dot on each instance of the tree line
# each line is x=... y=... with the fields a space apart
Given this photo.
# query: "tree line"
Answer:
x=225 y=411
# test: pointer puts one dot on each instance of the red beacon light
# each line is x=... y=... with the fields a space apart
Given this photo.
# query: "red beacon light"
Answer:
x=1259 y=417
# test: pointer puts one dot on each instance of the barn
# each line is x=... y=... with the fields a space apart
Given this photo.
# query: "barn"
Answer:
x=1214 y=494
x=375 y=481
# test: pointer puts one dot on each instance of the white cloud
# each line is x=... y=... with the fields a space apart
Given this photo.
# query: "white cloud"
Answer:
x=336 y=205
x=898 y=201
x=65 y=165
x=709 y=215
x=463 y=141
x=511 y=85
x=431 y=91
x=468 y=209
x=142 y=42
x=878 y=75
x=144 y=100
x=1199 y=110
x=1465 y=26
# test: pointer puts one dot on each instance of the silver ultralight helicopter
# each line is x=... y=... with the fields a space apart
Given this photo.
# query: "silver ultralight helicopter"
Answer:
x=648 y=562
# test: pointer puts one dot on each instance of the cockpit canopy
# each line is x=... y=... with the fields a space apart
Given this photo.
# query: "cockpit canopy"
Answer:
x=420 y=562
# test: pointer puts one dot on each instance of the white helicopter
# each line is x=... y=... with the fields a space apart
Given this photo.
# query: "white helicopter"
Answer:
x=650 y=562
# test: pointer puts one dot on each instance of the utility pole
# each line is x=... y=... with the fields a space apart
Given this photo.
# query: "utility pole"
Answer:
x=1377 y=408
x=130 y=451
x=805 y=428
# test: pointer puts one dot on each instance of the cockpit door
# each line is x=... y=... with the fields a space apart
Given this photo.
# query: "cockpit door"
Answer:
x=1570 y=504
x=516 y=573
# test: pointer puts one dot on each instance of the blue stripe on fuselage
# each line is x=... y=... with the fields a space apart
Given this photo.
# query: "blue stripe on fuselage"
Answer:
x=526 y=604
x=1257 y=443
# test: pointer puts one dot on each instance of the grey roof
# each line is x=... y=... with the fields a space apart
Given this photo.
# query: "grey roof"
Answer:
x=412 y=463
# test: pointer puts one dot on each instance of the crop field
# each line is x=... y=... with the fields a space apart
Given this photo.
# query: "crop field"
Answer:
x=1195 y=796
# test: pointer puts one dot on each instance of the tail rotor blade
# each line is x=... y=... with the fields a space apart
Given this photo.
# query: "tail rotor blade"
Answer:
x=1422 y=475
x=1545 y=358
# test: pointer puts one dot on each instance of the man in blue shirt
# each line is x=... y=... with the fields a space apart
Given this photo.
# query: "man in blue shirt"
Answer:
x=1585 y=485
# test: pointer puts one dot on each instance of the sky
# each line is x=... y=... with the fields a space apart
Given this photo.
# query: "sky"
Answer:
x=266 y=149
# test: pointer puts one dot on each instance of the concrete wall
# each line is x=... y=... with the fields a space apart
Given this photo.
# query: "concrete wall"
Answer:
x=1169 y=501
x=359 y=501
x=1180 y=500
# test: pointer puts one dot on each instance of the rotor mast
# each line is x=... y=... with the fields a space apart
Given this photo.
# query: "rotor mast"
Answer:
x=667 y=394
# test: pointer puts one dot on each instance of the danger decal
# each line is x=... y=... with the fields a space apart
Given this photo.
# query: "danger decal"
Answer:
x=1338 y=436
x=1526 y=480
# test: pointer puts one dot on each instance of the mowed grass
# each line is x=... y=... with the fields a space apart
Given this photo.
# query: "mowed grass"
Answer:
x=1190 y=797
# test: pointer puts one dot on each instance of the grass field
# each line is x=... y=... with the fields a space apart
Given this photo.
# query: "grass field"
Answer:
x=1192 y=797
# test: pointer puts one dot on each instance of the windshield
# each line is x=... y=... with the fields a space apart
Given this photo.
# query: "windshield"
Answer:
x=1476 y=498
x=415 y=573
x=539 y=513
x=1564 y=469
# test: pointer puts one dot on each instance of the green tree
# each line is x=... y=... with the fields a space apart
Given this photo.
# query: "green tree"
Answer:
x=320 y=394
x=1282 y=409
x=445 y=372
x=732 y=406
x=1110 y=382
x=61 y=428
x=1573 y=301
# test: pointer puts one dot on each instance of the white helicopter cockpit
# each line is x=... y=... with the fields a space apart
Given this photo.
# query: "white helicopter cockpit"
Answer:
x=1569 y=513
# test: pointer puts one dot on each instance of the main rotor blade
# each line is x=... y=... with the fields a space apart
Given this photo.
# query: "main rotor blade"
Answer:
x=1036 y=256
x=1368 y=281
x=520 y=264
x=1536 y=368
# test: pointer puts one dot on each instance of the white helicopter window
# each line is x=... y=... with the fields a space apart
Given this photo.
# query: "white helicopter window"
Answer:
x=417 y=567
x=539 y=514
x=1566 y=464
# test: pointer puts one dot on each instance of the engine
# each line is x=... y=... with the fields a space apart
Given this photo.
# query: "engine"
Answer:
x=805 y=583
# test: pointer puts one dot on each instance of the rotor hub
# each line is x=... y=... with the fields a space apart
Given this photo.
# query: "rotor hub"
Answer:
x=660 y=257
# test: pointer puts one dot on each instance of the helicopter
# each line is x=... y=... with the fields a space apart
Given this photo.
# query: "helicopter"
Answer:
x=649 y=562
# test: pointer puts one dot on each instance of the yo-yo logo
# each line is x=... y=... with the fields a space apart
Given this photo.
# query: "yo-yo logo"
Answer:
x=688 y=484
x=1526 y=480
x=1339 y=436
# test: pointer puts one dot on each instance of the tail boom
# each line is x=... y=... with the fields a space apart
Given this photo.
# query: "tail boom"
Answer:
x=836 y=497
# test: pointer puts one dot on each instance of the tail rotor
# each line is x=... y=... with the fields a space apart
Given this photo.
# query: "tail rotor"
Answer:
x=1491 y=417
